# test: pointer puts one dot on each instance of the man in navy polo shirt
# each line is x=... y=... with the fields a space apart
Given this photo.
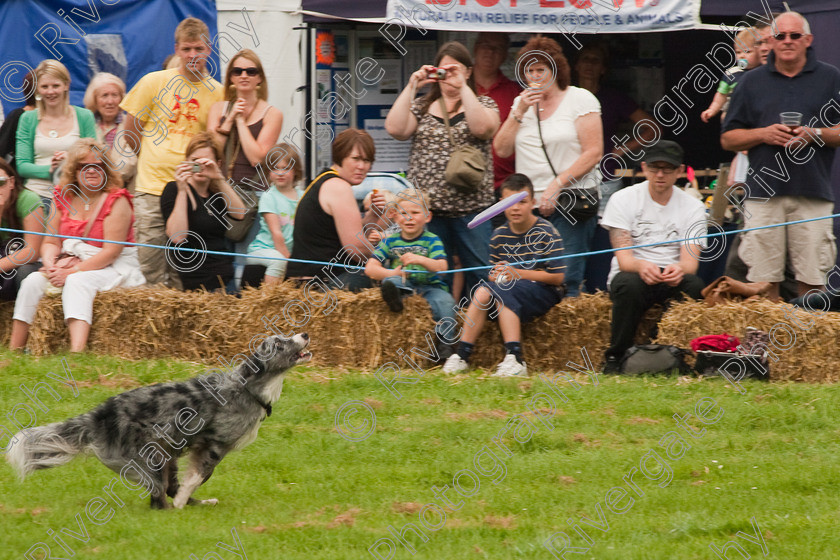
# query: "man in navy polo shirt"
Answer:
x=790 y=166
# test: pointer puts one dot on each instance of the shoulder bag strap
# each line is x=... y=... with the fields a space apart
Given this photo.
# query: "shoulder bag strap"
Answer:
x=446 y=120
x=545 y=151
x=95 y=214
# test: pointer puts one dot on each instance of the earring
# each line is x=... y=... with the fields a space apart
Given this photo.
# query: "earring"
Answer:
x=38 y=97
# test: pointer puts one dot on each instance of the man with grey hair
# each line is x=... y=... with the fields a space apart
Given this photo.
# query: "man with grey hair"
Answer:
x=790 y=164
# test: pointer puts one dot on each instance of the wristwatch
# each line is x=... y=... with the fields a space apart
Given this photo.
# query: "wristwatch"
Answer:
x=818 y=132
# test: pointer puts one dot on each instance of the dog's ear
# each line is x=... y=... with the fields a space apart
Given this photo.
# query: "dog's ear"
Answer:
x=267 y=351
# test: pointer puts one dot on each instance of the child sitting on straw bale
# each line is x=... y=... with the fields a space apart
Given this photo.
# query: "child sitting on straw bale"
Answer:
x=526 y=281
x=277 y=214
x=407 y=261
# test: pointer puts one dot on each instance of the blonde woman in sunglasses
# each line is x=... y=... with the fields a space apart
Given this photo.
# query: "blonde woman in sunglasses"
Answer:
x=248 y=127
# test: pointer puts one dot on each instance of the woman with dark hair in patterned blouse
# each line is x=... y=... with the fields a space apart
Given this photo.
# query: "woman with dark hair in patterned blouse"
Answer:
x=473 y=120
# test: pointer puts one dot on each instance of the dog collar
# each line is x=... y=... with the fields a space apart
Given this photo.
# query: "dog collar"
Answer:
x=265 y=406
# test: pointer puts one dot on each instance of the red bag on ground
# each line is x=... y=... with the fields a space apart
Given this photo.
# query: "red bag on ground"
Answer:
x=716 y=343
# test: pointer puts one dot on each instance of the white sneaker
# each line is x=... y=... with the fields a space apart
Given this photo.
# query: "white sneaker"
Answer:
x=455 y=364
x=509 y=367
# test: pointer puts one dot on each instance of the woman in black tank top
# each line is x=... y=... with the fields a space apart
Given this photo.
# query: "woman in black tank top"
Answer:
x=328 y=226
x=248 y=127
x=245 y=117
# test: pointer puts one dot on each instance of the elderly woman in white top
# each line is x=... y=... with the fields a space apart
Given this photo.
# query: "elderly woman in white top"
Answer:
x=102 y=97
x=569 y=130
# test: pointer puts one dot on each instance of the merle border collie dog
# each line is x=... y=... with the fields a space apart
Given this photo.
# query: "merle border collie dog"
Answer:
x=141 y=433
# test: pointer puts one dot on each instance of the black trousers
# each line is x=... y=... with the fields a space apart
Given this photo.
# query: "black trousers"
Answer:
x=631 y=297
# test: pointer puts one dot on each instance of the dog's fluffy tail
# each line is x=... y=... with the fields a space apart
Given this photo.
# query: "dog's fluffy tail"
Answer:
x=47 y=446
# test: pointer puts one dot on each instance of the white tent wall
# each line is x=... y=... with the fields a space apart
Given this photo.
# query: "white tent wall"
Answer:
x=279 y=50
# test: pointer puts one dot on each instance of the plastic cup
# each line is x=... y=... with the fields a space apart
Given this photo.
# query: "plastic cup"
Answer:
x=791 y=119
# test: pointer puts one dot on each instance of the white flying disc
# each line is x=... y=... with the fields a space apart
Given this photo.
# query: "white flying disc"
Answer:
x=497 y=208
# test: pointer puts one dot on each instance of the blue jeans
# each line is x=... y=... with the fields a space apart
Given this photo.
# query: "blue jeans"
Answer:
x=576 y=239
x=471 y=245
x=439 y=300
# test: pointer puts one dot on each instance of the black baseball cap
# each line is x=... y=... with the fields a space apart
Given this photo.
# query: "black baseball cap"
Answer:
x=667 y=151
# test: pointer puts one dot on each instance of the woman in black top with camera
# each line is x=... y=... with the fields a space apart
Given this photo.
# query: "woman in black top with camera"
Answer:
x=196 y=207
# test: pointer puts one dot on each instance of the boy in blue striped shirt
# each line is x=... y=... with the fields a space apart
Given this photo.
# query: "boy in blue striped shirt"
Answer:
x=520 y=289
x=406 y=262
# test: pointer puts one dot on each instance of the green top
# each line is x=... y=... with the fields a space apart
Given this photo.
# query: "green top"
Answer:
x=27 y=202
x=25 y=141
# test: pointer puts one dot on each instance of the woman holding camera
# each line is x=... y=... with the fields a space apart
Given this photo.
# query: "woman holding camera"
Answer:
x=196 y=220
x=555 y=119
x=473 y=120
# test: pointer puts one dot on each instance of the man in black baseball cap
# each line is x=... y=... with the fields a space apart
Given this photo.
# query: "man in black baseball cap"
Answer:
x=666 y=151
x=652 y=212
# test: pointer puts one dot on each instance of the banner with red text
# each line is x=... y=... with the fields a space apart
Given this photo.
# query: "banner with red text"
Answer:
x=547 y=16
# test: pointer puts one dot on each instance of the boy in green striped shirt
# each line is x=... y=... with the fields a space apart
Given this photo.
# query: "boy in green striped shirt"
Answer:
x=407 y=262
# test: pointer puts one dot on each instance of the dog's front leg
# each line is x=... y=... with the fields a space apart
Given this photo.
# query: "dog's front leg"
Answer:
x=202 y=464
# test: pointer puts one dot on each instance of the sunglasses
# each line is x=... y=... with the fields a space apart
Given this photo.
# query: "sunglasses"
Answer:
x=783 y=36
x=3 y=181
x=666 y=169
x=236 y=71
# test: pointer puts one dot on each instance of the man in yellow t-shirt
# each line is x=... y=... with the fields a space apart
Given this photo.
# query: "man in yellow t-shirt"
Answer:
x=165 y=110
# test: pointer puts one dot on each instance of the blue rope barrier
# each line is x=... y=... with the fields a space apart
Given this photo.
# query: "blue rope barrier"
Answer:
x=356 y=267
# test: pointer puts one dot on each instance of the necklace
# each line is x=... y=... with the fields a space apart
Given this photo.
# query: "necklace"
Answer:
x=53 y=134
x=87 y=204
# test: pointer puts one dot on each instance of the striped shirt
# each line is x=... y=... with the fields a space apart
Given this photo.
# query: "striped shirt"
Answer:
x=520 y=250
x=390 y=249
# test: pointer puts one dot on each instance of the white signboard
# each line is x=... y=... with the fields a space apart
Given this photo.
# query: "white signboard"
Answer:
x=546 y=16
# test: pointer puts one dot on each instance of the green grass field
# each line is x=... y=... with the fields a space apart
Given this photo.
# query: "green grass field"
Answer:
x=301 y=491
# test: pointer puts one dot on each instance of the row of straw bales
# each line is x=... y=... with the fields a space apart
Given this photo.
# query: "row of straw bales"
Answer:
x=360 y=332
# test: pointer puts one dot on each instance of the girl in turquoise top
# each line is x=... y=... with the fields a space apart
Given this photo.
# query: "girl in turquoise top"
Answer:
x=277 y=212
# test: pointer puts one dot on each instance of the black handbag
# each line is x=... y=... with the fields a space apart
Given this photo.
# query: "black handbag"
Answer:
x=742 y=366
x=586 y=199
x=654 y=358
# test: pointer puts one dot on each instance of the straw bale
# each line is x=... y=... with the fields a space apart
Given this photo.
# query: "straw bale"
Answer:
x=347 y=330
x=6 y=310
x=561 y=335
x=812 y=357
x=358 y=330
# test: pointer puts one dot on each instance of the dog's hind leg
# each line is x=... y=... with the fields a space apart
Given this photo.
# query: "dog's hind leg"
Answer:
x=202 y=464
x=157 y=498
x=168 y=486
x=170 y=477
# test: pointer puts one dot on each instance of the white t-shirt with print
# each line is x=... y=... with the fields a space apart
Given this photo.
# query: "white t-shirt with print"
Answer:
x=561 y=140
x=634 y=210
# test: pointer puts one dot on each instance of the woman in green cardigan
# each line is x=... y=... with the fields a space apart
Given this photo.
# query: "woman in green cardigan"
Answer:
x=45 y=135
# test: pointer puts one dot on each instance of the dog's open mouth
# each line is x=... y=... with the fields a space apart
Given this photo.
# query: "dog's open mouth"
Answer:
x=304 y=356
